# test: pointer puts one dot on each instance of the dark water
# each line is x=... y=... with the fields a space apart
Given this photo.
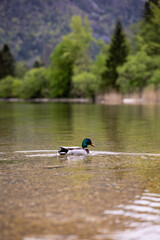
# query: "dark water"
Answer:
x=114 y=193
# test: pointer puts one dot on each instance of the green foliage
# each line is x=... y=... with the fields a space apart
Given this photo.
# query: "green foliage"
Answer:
x=74 y=73
x=81 y=36
x=99 y=67
x=85 y=85
x=7 y=64
x=35 y=84
x=155 y=79
x=149 y=39
x=118 y=51
x=70 y=58
x=147 y=12
x=10 y=87
x=20 y=69
x=16 y=87
x=61 y=70
x=134 y=75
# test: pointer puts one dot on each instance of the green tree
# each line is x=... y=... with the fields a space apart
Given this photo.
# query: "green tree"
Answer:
x=7 y=62
x=61 y=70
x=155 y=79
x=99 y=67
x=10 y=87
x=147 y=12
x=117 y=54
x=134 y=75
x=70 y=58
x=16 y=87
x=149 y=37
x=20 y=69
x=35 y=84
x=85 y=85
x=82 y=35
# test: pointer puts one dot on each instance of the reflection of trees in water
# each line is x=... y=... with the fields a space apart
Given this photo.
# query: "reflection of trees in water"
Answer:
x=49 y=121
x=132 y=128
x=141 y=127
x=7 y=127
x=110 y=116
x=33 y=126
x=86 y=122
x=61 y=116
x=61 y=122
x=56 y=116
x=112 y=128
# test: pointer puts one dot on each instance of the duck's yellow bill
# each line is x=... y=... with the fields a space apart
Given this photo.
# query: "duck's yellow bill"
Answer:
x=92 y=145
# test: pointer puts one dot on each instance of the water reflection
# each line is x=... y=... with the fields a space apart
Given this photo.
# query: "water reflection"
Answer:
x=27 y=124
x=7 y=136
x=100 y=196
x=113 y=128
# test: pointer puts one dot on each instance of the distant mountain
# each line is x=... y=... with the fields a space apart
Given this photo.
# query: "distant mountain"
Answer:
x=34 y=27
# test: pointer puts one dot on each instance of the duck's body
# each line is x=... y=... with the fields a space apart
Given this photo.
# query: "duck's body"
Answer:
x=77 y=151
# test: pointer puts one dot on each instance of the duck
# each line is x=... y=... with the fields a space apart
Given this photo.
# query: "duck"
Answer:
x=77 y=151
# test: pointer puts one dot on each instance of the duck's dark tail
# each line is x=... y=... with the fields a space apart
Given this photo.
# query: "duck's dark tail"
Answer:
x=63 y=151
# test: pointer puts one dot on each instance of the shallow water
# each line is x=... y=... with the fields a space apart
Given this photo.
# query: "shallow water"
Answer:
x=113 y=193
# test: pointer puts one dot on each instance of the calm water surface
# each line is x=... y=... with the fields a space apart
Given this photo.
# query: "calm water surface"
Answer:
x=114 y=193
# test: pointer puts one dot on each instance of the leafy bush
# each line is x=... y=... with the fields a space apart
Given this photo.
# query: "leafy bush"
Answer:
x=20 y=69
x=35 y=84
x=135 y=73
x=155 y=79
x=10 y=87
x=84 y=85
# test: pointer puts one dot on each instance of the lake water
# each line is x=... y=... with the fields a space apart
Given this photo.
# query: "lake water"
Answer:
x=113 y=193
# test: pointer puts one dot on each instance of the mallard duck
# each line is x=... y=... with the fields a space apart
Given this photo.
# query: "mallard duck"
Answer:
x=77 y=150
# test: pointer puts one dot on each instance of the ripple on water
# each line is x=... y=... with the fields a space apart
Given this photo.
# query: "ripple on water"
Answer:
x=38 y=153
x=53 y=237
x=53 y=153
x=145 y=215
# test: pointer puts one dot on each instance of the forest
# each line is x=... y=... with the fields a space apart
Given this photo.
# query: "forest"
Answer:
x=34 y=28
x=84 y=66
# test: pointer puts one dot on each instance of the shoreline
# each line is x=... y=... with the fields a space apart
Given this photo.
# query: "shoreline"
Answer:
x=126 y=101
x=148 y=96
x=47 y=100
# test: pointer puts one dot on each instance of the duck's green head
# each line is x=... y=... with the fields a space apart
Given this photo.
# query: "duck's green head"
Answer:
x=87 y=142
